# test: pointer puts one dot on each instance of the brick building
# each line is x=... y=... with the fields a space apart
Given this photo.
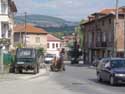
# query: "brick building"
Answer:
x=99 y=34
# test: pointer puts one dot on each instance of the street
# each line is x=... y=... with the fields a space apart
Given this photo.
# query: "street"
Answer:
x=77 y=79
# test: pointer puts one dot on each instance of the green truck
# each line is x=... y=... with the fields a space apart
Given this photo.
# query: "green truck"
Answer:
x=26 y=59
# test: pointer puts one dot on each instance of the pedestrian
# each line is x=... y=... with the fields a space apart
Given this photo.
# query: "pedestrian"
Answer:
x=61 y=59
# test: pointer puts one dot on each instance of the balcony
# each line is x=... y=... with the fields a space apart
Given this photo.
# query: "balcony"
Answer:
x=101 y=44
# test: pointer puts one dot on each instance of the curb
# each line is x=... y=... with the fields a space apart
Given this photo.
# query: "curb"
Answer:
x=42 y=72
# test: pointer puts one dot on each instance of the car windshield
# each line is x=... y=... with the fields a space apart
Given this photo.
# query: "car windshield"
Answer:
x=118 y=63
x=49 y=56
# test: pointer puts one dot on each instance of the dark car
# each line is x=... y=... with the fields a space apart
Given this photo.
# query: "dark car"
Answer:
x=26 y=59
x=112 y=70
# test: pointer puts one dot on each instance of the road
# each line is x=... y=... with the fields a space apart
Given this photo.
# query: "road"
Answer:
x=77 y=79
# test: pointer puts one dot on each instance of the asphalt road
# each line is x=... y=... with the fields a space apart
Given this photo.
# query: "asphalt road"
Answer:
x=82 y=79
x=77 y=79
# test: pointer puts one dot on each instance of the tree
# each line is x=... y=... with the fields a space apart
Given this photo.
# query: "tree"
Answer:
x=41 y=51
x=19 y=45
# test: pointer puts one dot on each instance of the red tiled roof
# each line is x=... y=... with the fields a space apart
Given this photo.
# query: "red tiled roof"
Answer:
x=52 y=38
x=29 y=29
x=107 y=11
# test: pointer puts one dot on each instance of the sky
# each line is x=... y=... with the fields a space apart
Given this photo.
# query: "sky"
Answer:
x=71 y=10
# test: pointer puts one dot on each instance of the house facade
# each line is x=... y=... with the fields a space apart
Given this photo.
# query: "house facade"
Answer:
x=54 y=45
x=30 y=36
x=99 y=34
x=7 y=13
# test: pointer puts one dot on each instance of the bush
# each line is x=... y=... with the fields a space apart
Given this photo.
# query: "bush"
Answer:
x=41 y=51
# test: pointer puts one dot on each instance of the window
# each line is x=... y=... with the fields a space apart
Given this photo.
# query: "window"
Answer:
x=47 y=45
x=4 y=26
x=37 y=39
x=4 y=7
x=104 y=37
x=103 y=23
x=110 y=21
x=53 y=45
x=56 y=45
x=98 y=36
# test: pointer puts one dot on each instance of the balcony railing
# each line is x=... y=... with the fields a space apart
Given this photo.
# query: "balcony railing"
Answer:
x=104 y=44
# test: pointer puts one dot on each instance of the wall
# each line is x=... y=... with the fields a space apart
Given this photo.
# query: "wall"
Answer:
x=54 y=50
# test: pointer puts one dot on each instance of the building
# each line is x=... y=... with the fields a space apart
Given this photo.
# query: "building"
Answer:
x=54 y=45
x=68 y=40
x=7 y=13
x=99 y=34
x=30 y=36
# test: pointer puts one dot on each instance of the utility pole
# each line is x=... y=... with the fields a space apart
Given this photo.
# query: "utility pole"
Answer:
x=124 y=34
x=25 y=29
x=115 y=28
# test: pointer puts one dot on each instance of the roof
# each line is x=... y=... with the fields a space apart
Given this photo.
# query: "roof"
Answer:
x=29 y=29
x=52 y=38
x=107 y=11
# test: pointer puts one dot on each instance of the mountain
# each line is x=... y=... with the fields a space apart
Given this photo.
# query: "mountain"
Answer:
x=51 y=24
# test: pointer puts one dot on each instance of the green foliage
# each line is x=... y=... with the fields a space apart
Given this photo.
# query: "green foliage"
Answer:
x=41 y=51
x=58 y=34
x=79 y=32
x=65 y=29
x=70 y=44
x=19 y=45
x=5 y=41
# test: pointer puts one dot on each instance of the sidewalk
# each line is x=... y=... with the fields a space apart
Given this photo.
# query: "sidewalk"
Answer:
x=23 y=76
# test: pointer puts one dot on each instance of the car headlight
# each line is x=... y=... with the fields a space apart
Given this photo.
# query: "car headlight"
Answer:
x=119 y=74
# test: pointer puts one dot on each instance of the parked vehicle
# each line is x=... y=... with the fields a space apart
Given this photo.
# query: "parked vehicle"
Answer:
x=112 y=70
x=26 y=59
x=48 y=58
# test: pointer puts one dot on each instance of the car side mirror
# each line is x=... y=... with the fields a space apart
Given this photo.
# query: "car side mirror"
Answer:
x=108 y=67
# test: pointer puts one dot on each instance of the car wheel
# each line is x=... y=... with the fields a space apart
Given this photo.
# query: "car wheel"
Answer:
x=99 y=77
x=112 y=81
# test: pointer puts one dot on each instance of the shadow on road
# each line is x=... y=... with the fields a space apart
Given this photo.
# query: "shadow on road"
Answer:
x=81 y=65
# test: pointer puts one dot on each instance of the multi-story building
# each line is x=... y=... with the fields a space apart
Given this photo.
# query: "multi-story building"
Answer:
x=99 y=34
x=7 y=12
x=30 y=36
x=54 y=45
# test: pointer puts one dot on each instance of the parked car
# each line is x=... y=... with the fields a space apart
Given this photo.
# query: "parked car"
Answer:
x=48 y=58
x=26 y=59
x=111 y=70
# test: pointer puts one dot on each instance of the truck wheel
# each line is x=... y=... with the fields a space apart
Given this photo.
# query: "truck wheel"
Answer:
x=35 y=70
x=20 y=71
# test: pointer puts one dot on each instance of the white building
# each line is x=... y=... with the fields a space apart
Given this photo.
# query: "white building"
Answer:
x=53 y=45
x=7 y=12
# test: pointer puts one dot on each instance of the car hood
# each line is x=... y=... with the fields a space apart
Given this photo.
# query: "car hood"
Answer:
x=119 y=70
